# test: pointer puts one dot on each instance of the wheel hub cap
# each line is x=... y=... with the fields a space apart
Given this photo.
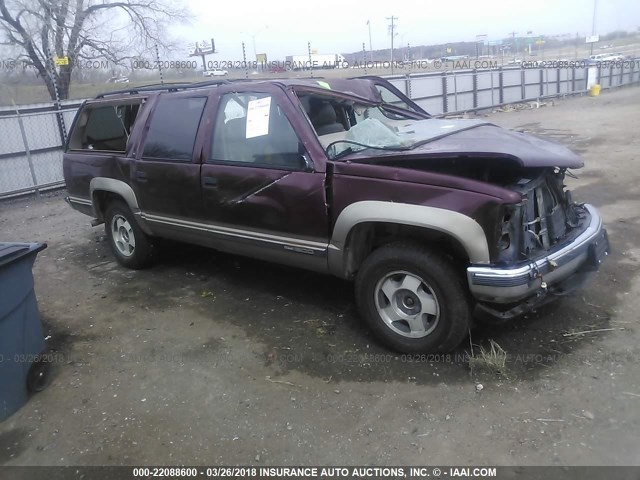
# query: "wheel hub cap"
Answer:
x=407 y=304
x=122 y=235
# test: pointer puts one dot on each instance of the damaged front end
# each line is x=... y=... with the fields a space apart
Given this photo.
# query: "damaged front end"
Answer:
x=547 y=244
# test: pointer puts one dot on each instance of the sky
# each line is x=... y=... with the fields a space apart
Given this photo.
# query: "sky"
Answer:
x=340 y=26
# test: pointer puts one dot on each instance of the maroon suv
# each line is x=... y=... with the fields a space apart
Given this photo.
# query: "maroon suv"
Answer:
x=435 y=219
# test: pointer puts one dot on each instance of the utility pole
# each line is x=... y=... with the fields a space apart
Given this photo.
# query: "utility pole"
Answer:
x=392 y=31
x=593 y=23
x=513 y=44
x=370 y=44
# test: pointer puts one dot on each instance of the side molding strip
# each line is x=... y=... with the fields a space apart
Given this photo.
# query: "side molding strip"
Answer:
x=296 y=245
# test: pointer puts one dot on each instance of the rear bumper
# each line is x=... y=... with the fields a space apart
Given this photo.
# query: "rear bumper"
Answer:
x=523 y=281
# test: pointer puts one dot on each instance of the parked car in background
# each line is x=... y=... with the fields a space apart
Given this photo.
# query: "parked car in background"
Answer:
x=216 y=72
x=434 y=220
x=118 y=79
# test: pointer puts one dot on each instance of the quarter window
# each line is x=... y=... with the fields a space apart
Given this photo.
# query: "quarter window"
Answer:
x=173 y=128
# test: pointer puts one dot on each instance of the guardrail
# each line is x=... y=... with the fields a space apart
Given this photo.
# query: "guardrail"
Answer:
x=33 y=136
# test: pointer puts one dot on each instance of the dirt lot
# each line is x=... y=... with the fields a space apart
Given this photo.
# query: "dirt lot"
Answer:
x=208 y=358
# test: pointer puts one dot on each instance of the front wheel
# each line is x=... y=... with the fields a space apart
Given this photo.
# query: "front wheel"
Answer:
x=130 y=245
x=413 y=299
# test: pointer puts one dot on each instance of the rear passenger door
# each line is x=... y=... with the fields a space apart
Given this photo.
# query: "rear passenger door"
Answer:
x=261 y=195
x=166 y=177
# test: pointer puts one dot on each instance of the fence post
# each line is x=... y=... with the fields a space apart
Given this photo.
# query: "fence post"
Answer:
x=611 y=75
x=26 y=149
x=558 y=81
x=244 y=61
x=407 y=85
x=445 y=99
x=501 y=86
x=455 y=91
x=364 y=58
x=523 y=80
x=621 y=74
x=573 y=80
x=54 y=78
x=542 y=82
x=475 y=88
x=492 y=97
x=160 y=64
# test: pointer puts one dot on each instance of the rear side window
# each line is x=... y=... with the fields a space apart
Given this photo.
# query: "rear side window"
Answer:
x=104 y=127
x=173 y=128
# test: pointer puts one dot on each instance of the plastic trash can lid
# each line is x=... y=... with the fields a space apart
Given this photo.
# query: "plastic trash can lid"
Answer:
x=11 y=252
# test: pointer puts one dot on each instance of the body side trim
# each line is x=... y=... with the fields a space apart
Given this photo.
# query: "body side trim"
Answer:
x=79 y=200
x=289 y=243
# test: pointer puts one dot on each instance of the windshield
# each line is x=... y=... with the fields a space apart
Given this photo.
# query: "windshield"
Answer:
x=345 y=126
x=375 y=127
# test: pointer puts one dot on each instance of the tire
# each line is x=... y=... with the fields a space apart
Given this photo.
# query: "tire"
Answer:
x=413 y=299
x=39 y=375
x=130 y=245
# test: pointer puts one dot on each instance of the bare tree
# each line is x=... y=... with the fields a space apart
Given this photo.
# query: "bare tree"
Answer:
x=83 y=30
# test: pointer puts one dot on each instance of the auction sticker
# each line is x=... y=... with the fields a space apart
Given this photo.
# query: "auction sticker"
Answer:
x=258 y=117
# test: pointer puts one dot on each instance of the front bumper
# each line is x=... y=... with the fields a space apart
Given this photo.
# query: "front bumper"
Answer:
x=525 y=280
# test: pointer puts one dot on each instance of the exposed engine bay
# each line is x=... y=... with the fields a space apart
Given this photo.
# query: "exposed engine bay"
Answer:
x=546 y=217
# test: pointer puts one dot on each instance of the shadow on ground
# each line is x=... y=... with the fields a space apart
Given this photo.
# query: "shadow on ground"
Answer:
x=308 y=322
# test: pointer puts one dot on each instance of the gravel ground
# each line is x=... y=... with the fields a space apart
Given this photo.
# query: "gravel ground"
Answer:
x=208 y=358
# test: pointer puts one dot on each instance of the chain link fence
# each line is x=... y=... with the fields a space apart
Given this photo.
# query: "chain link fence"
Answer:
x=31 y=145
x=32 y=137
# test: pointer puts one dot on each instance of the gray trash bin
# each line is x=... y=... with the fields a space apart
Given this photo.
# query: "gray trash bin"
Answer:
x=22 y=368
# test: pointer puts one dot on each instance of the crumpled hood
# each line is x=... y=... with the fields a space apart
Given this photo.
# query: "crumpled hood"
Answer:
x=476 y=138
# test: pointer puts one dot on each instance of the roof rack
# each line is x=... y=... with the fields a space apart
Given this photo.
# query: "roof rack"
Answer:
x=170 y=87
x=175 y=86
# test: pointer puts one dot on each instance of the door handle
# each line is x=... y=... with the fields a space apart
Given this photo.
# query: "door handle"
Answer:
x=141 y=176
x=209 y=182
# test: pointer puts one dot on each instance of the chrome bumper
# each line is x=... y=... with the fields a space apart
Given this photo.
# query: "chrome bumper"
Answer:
x=512 y=284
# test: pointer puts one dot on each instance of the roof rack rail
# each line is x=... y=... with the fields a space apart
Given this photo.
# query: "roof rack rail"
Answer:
x=156 y=87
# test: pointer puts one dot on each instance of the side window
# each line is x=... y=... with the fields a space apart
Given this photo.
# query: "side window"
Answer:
x=173 y=128
x=252 y=128
x=104 y=127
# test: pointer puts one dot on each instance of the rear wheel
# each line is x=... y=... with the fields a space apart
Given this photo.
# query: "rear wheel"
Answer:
x=130 y=245
x=413 y=299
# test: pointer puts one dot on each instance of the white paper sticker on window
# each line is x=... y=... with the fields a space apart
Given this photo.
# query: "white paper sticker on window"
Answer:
x=258 y=117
